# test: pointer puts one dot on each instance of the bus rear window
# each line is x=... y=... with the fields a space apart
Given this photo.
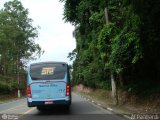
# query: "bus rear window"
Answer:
x=47 y=71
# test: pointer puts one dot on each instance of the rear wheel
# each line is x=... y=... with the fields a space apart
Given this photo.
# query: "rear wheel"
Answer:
x=40 y=108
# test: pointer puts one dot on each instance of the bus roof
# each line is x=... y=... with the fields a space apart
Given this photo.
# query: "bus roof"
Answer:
x=48 y=62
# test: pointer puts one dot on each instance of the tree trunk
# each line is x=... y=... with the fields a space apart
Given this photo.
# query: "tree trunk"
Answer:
x=17 y=70
x=113 y=82
x=114 y=89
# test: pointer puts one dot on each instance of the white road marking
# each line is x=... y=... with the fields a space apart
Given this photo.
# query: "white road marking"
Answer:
x=110 y=109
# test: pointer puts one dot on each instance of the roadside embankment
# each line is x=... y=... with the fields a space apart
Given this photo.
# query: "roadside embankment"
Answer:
x=128 y=104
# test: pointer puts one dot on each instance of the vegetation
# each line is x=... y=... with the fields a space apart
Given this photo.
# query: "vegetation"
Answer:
x=17 y=44
x=128 y=45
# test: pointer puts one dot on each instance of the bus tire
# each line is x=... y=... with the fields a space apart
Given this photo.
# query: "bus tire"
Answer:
x=41 y=109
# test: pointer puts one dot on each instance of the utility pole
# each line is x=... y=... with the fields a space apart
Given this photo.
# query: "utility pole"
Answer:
x=113 y=83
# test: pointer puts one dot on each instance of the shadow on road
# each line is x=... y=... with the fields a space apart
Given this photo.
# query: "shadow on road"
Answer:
x=54 y=111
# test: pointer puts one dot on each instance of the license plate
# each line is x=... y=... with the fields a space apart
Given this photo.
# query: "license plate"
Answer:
x=48 y=102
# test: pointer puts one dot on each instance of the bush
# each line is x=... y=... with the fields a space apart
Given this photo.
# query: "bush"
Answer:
x=103 y=85
x=9 y=84
x=4 y=88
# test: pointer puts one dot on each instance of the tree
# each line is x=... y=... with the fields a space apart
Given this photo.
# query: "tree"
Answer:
x=17 y=34
x=16 y=39
x=128 y=45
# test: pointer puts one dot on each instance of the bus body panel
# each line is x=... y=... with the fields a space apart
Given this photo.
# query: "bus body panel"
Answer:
x=48 y=92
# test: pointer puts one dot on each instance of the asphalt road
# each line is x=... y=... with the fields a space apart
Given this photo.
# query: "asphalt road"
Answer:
x=81 y=109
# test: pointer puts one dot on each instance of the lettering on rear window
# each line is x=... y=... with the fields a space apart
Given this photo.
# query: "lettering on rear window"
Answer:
x=47 y=71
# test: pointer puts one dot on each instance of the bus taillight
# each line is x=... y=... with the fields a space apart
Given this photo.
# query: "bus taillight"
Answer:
x=67 y=90
x=29 y=91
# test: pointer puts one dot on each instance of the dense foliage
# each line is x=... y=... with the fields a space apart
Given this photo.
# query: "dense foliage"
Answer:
x=129 y=44
x=17 y=43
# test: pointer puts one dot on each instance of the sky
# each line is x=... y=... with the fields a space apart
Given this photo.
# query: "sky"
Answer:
x=55 y=36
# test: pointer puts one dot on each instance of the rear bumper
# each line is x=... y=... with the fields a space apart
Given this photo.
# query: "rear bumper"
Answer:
x=42 y=103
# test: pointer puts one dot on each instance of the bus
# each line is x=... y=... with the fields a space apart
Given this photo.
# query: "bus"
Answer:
x=48 y=84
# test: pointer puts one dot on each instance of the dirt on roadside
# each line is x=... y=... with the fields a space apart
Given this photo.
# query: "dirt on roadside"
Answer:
x=128 y=104
x=9 y=97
